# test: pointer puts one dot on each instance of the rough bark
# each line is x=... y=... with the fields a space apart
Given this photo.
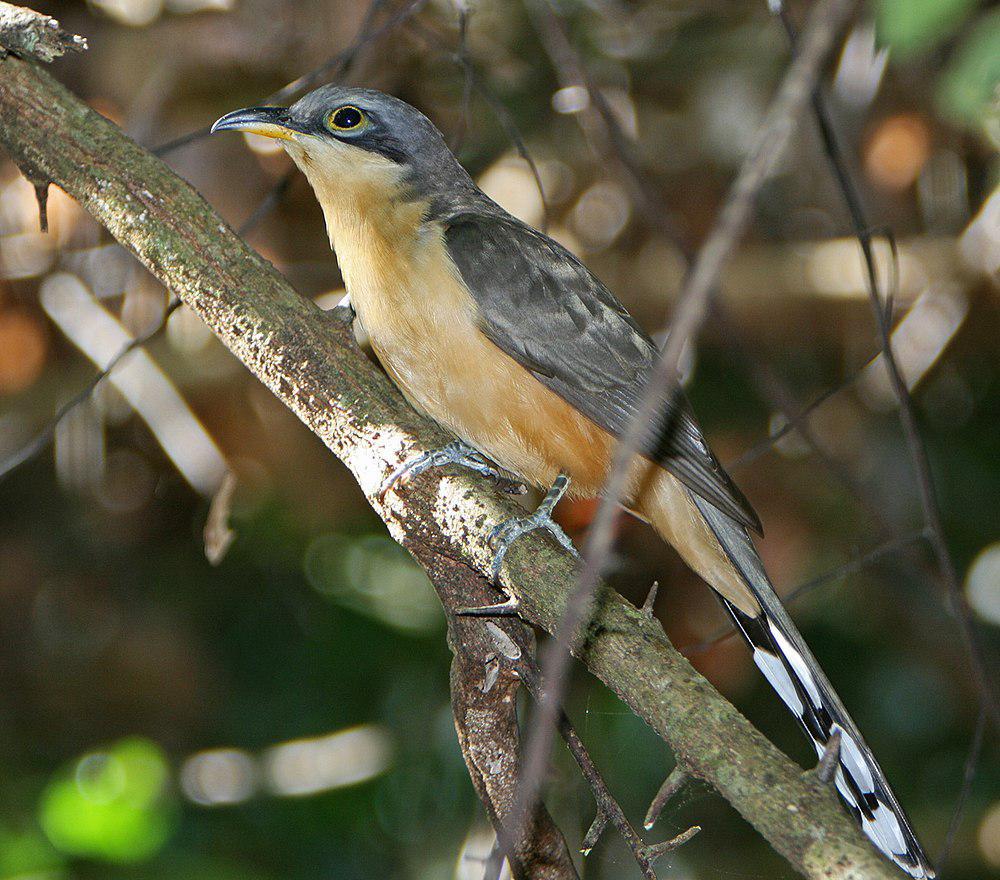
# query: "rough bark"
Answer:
x=484 y=702
x=313 y=365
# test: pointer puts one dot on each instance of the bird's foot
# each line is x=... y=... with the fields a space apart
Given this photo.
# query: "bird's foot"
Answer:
x=505 y=534
x=458 y=453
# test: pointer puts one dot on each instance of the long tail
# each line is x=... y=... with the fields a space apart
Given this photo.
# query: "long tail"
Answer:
x=789 y=666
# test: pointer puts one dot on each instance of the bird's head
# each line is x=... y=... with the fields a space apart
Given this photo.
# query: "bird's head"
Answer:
x=359 y=147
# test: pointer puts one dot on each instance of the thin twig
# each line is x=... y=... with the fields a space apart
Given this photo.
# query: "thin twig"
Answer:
x=830 y=759
x=609 y=811
x=478 y=83
x=801 y=418
x=907 y=416
x=825 y=22
x=650 y=603
x=773 y=389
x=857 y=563
x=40 y=442
x=968 y=775
x=675 y=781
x=462 y=59
x=572 y=71
x=333 y=67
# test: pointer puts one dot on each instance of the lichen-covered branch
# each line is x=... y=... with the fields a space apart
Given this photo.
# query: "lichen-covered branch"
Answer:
x=312 y=364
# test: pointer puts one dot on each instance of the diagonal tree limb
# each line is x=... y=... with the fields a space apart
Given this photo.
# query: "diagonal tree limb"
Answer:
x=313 y=365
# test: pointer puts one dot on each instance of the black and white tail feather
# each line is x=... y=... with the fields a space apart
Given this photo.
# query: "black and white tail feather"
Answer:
x=782 y=656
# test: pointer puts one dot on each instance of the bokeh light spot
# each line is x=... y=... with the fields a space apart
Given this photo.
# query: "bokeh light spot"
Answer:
x=989 y=835
x=898 y=150
x=112 y=805
x=982 y=584
x=374 y=576
x=219 y=777
x=23 y=346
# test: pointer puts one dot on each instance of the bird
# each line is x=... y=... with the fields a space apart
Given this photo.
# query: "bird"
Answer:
x=507 y=340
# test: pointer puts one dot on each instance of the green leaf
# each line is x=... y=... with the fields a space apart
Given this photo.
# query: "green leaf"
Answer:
x=909 y=27
x=111 y=805
x=968 y=89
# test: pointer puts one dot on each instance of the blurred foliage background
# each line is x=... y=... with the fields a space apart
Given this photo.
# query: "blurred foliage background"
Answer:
x=284 y=713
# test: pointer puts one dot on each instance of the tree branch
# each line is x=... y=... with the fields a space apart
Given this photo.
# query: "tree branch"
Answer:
x=313 y=365
x=484 y=704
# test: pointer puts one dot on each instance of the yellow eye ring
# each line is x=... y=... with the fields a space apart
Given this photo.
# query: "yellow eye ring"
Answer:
x=346 y=118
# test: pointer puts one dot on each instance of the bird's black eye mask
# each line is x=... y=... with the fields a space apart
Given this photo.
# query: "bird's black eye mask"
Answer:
x=362 y=128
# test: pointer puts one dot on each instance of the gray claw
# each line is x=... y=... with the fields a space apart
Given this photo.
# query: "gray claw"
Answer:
x=458 y=453
x=502 y=538
x=504 y=535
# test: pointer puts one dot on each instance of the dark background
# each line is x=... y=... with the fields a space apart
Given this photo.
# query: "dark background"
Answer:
x=285 y=713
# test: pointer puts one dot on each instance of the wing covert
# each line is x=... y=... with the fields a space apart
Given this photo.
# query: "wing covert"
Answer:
x=580 y=342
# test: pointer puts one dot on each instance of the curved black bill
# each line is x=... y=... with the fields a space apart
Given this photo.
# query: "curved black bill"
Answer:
x=272 y=122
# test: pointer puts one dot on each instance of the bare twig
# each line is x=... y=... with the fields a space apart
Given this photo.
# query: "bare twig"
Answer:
x=650 y=603
x=675 y=781
x=572 y=71
x=857 y=563
x=474 y=79
x=830 y=759
x=907 y=416
x=825 y=22
x=968 y=775
x=461 y=56
x=791 y=424
x=334 y=67
x=609 y=811
x=773 y=389
x=801 y=419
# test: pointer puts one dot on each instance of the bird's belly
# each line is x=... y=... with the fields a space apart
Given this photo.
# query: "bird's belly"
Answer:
x=424 y=327
x=450 y=371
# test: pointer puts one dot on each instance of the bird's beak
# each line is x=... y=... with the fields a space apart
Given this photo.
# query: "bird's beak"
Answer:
x=272 y=122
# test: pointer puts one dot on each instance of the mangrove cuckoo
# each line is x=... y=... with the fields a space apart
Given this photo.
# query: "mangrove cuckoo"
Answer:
x=506 y=339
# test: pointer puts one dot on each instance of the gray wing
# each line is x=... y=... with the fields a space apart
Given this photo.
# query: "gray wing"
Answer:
x=545 y=309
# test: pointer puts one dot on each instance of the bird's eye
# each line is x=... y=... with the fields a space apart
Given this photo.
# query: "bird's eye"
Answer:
x=346 y=118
